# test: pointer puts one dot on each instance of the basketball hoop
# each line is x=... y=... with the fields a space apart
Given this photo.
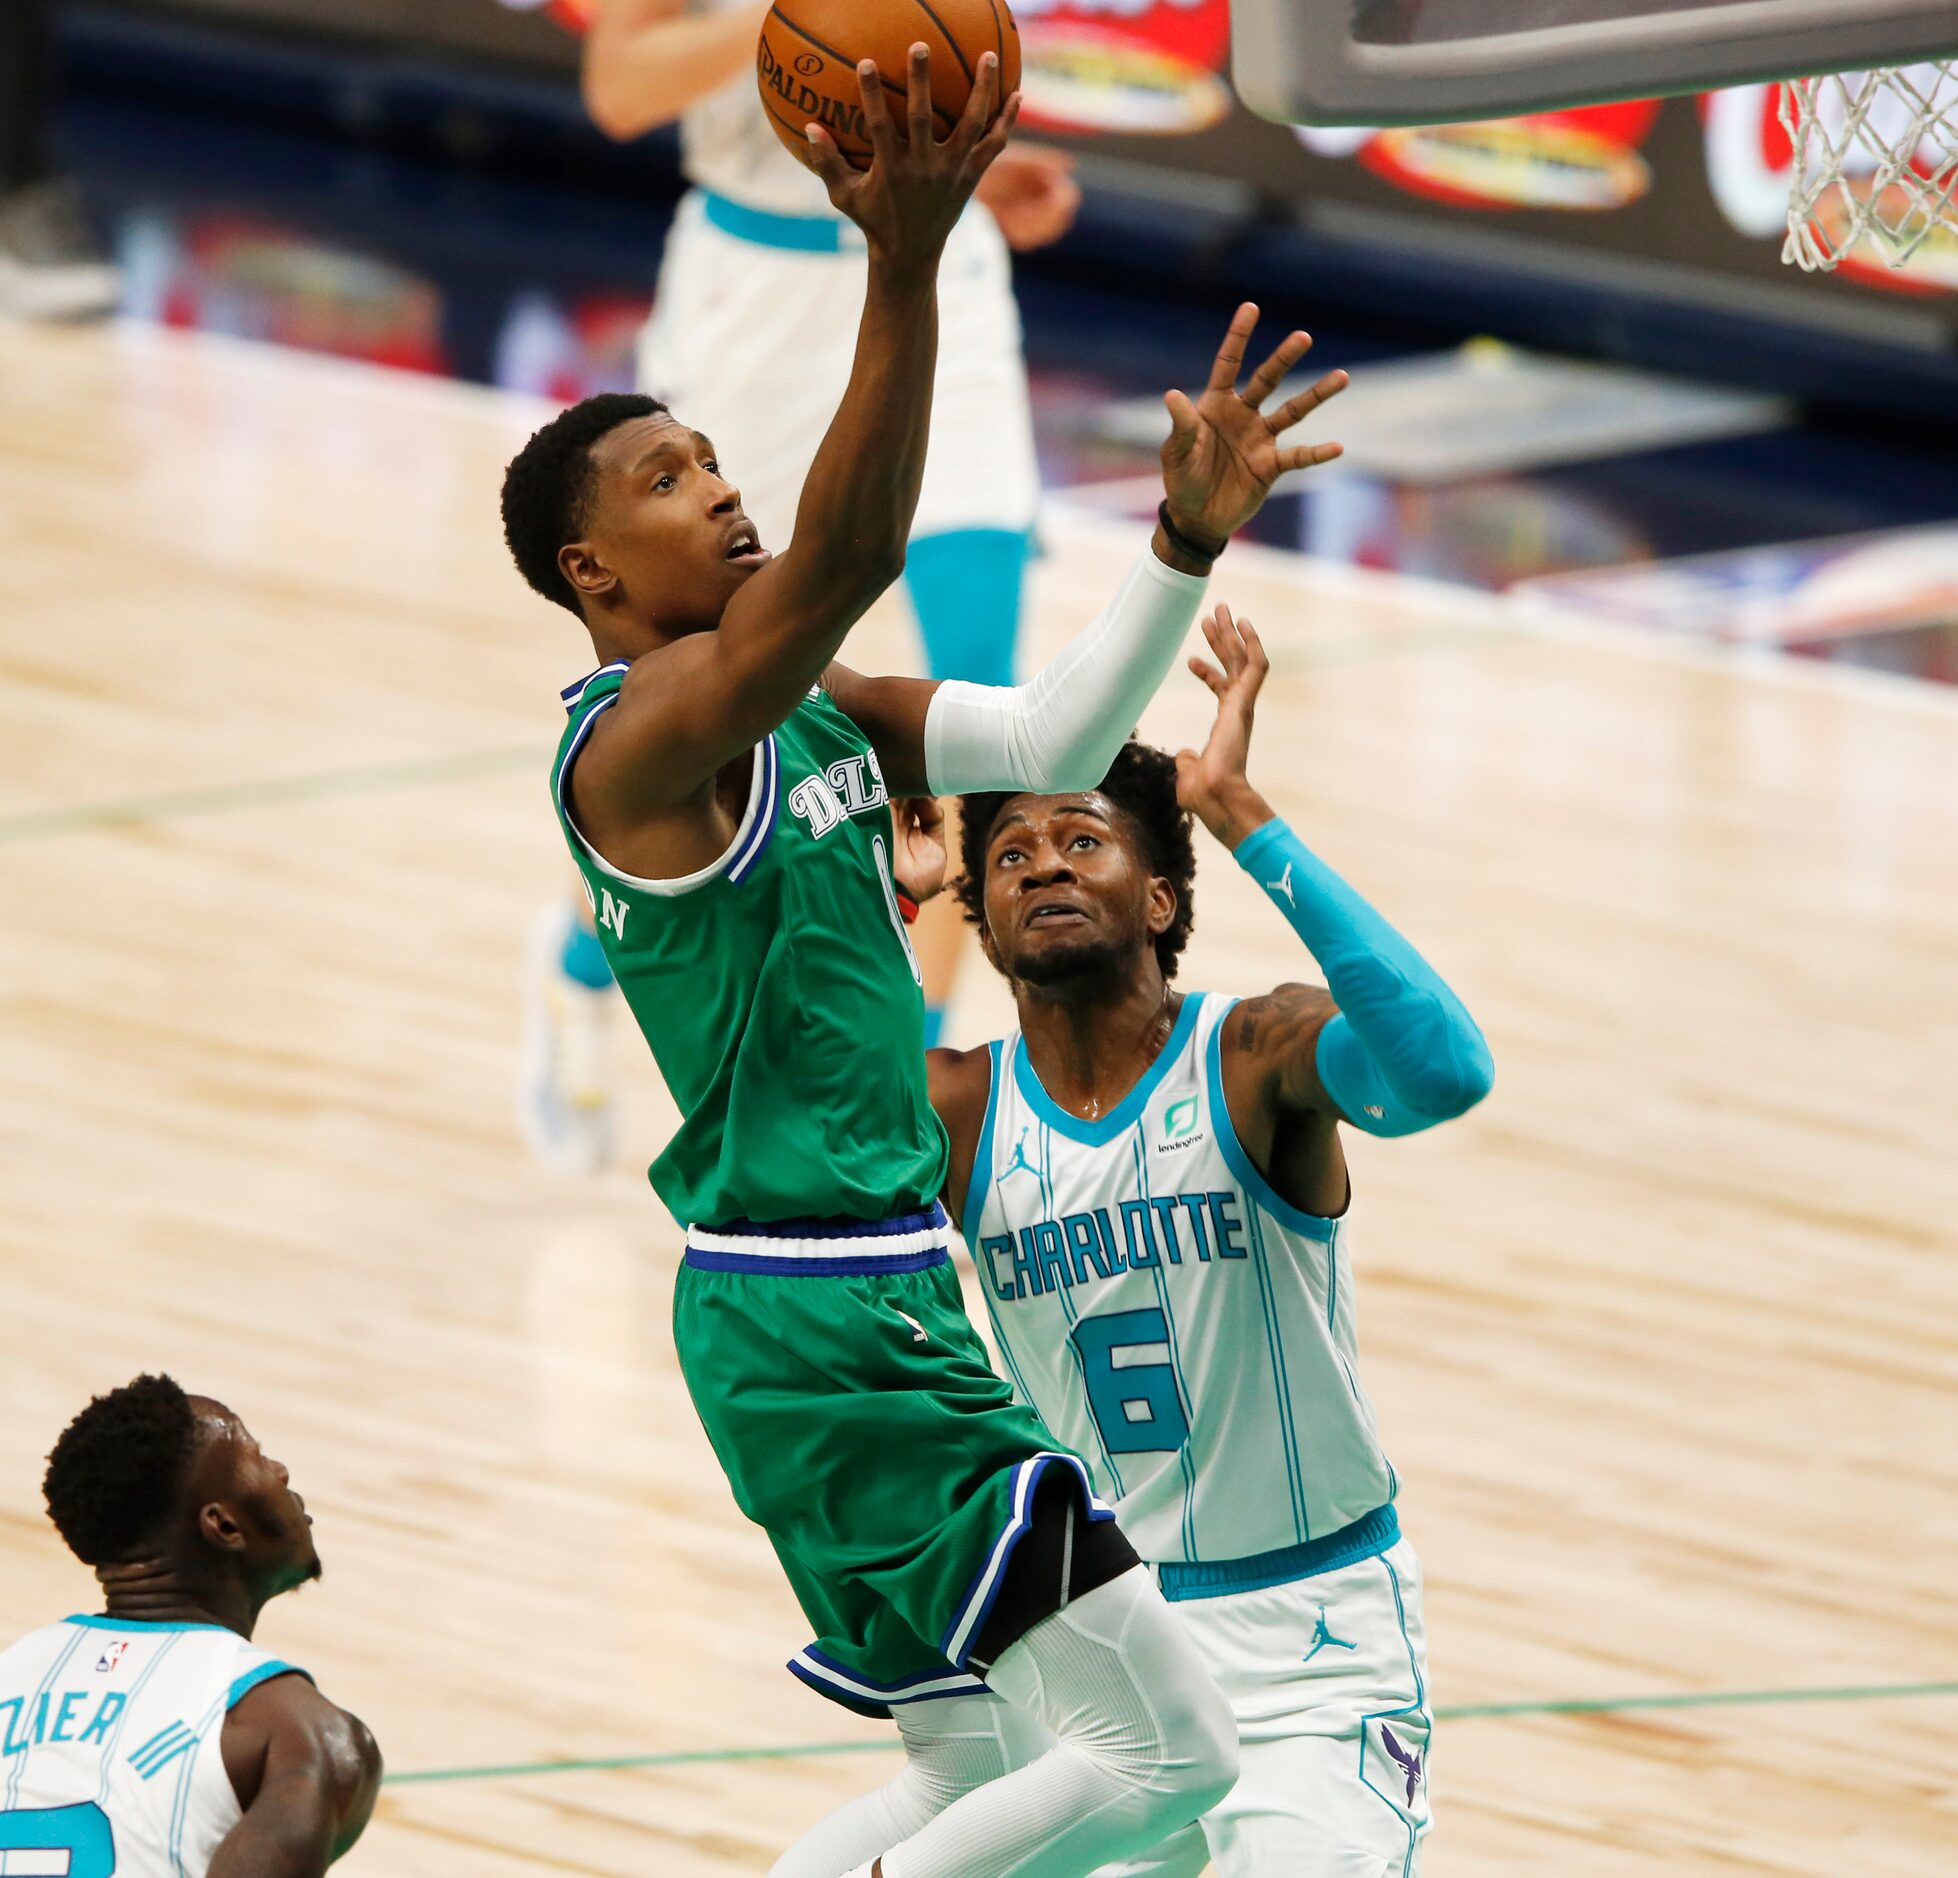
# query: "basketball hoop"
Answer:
x=1875 y=164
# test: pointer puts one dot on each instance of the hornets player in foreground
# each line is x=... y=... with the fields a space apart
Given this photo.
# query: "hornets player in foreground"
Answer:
x=723 y=787
x=1153 y=1191
x=157 y=1740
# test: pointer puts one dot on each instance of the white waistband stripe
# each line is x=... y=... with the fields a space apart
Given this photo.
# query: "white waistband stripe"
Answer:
x=818 y=1251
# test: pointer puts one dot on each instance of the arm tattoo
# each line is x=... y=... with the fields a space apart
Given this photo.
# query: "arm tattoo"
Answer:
x=1279 y=1023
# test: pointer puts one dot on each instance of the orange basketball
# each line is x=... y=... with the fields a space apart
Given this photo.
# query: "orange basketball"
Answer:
x=807 y=62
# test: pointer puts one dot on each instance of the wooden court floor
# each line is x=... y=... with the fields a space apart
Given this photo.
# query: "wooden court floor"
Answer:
x=1664 y=1338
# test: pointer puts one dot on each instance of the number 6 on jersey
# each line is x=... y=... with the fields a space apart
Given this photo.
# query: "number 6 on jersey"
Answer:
x=1136 y=1405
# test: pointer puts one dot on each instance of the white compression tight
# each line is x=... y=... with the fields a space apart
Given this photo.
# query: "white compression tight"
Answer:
x=951 y=1746
x=1064 y=726
x=1144 y=1743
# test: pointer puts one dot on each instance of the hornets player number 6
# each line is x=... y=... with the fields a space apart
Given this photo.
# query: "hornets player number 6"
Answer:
x=1153 y=1191
x=156 y=1740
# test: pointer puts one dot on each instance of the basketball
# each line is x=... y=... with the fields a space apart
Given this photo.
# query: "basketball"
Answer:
x=807 y=61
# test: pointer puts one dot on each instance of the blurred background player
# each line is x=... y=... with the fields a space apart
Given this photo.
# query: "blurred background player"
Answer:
x=156 y=1740
x=51 y=265
x=751 y=337
x=1154 y=1194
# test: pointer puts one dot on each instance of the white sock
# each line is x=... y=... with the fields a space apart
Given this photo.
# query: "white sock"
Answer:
x=1146 y=1744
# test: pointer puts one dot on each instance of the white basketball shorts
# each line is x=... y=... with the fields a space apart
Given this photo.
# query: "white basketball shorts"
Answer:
x=751 y=342
x=1329 y=1679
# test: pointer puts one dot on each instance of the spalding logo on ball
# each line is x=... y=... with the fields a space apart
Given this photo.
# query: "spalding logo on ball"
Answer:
x=807 y=62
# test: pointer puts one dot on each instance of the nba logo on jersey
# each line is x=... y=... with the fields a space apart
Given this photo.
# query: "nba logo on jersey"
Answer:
x=111 y=1747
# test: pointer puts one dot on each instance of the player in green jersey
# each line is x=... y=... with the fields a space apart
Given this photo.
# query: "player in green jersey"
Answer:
x=724 y=787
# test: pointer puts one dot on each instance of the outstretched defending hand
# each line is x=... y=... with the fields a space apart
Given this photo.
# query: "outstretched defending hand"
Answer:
x=916 y=188
x=1212 y=782
x=1223 y=453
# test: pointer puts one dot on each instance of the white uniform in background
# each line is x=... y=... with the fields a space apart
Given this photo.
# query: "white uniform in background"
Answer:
x=110 y=1741
x=755 y=328
x=1192 y=1336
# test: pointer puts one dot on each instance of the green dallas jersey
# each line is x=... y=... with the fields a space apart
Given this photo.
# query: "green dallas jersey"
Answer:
x=777 y=988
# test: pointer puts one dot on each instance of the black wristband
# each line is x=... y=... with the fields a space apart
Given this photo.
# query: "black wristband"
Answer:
x=1181 y=542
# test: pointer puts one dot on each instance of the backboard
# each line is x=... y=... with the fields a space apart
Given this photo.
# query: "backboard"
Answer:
x=1447 y=61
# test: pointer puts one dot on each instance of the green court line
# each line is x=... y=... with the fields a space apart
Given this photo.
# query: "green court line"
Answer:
x=1713 y=1698
x=613 y=1763
x=1482 y=1711
x=230 y=798
x=474 y=765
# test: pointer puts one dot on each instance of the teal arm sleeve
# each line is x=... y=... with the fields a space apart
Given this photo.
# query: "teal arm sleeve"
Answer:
x=1403 y=1053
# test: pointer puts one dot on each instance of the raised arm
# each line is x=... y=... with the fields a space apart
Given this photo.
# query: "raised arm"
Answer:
x=1063 y=727
x=695 y=704
x=306 y=1774
x=646 y=61
x=1386 y=1045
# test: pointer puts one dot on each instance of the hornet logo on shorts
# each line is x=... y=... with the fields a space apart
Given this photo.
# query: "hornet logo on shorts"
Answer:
x=1405 y=1759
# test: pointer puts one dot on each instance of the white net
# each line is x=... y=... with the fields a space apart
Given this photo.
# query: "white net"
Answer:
x=1875 y=165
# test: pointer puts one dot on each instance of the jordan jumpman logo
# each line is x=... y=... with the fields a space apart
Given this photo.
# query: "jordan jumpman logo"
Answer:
x=1019 y=1164
x=1322 y=1636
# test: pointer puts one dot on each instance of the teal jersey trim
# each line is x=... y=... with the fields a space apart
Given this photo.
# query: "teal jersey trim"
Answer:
x=138 y=1623
x=250 y=1680
x=1367 y=1537
x=979 y=1183
x=1124 y=1114
x=1281 y=1379
x=973 y=1217
x=1310 y=1225
x=797 y=234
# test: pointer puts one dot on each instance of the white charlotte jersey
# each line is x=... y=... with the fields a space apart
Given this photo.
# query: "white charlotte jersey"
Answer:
x=109 y=1737
x=1176 y=1323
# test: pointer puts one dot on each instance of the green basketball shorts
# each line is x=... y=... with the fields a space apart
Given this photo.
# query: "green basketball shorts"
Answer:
x=851 y=1405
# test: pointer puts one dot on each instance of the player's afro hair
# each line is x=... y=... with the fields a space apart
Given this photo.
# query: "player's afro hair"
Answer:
x=547 y=488
x=117 y=1470
x=1141 y=784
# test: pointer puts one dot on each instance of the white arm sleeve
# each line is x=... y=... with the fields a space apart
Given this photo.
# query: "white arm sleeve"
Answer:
x=1063 y=727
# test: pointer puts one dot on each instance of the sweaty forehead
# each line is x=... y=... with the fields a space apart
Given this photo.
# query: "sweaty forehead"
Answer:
x=215 y=1422
x=1020 y=814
